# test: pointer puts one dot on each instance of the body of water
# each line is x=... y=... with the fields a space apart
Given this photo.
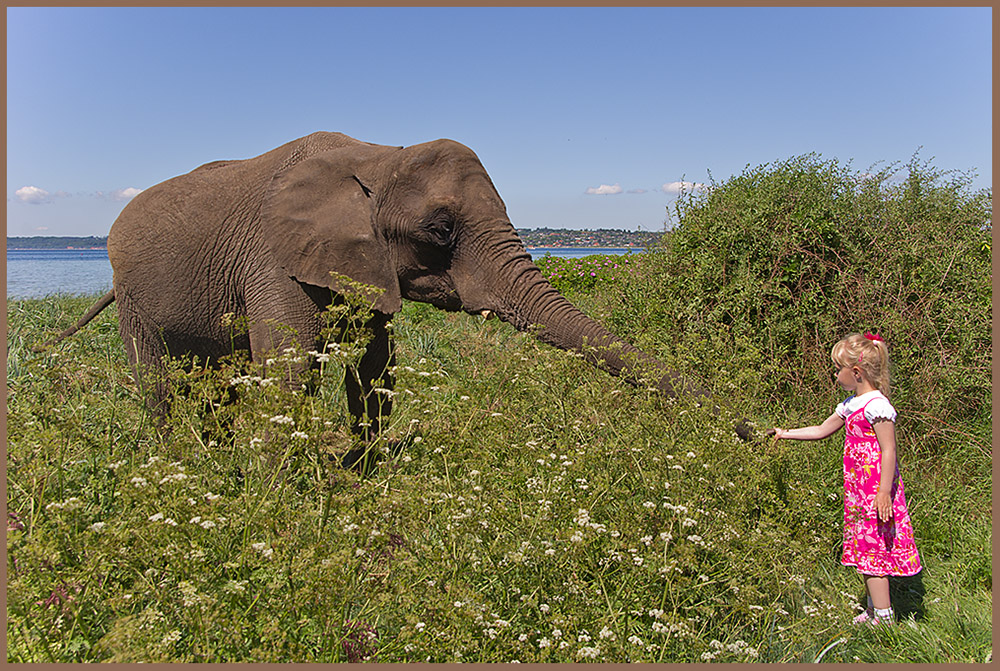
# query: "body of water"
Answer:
x=36 y=273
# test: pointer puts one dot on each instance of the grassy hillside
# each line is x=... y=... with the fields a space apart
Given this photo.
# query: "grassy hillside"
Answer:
x=538 y=510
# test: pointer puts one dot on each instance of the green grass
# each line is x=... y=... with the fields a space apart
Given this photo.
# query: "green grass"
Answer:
x=539 y=511
x=467 y=542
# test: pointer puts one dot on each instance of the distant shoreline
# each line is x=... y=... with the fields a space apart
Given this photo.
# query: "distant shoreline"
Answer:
x=541 y=238
x=62 y=249
x=56 y=242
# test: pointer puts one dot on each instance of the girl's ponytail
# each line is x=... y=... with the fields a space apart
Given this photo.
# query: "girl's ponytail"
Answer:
x=869 y=353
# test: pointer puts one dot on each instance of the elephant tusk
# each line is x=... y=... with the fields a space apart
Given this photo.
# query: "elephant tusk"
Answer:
x=487 y=314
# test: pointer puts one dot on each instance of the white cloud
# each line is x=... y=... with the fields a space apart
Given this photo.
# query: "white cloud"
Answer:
x=125 y=194
x=120 y=195
x=677 y=187
x=604 y=190
x=33 y=195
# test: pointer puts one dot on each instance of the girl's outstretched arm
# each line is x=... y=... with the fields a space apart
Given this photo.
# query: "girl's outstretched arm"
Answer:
x=886 y=433
x=827 y=428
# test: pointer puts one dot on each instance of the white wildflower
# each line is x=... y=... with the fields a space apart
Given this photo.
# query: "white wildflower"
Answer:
x=235 y=587
x=176 y=477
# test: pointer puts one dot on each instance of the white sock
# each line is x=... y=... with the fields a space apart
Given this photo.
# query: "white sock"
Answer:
x=884 y=612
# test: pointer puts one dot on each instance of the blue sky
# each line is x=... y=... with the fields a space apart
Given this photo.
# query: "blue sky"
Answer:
x=580 y=115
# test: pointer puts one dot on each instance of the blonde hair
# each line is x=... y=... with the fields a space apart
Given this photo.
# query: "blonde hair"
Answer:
x=867 y=352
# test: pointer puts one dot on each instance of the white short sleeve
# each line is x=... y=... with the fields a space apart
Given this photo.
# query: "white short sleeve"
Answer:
x=880 y=409
x=877 y=407
x=844 y=407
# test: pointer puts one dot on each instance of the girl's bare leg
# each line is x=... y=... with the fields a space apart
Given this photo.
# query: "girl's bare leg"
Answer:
x=878 y=591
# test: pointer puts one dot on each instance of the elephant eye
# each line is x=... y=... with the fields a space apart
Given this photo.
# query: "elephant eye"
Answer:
x=437 y=228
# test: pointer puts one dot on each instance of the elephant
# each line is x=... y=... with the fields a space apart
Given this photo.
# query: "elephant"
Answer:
x=272 y=239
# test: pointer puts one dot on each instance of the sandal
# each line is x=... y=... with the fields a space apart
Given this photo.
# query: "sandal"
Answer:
x=867 y=618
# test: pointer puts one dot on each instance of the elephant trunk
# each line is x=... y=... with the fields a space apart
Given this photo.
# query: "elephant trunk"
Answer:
x=532 y=303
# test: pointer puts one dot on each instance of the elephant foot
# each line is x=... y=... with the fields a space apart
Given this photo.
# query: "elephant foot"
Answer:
x=365 y=458
x=743 y=430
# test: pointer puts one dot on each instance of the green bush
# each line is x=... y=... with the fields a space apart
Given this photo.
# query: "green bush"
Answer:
x=588 y=273
x=766 y=271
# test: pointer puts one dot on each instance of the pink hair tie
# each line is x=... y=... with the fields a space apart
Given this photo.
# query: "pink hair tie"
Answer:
x=874 y=336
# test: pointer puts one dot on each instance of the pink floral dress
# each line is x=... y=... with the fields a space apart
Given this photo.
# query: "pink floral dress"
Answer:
x=872 y=546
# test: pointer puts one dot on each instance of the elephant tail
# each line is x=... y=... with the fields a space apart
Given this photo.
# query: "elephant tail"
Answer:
x=103 y=302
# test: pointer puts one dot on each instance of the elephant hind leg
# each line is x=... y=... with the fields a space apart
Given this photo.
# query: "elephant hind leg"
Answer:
x=145 y=350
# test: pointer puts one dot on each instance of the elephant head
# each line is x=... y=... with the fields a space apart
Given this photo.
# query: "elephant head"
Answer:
x=426 y=223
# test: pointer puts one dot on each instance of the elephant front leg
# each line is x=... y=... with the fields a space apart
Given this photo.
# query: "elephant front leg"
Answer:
x=370 y=383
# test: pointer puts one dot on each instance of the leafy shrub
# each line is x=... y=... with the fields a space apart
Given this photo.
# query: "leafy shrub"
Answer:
x=770 y=268
x=586 y=273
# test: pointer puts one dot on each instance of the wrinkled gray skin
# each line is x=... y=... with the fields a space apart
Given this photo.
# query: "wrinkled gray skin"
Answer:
x=259 y=237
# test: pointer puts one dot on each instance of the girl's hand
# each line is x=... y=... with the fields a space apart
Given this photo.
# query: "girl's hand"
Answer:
x=776 y=432
x=883 y=504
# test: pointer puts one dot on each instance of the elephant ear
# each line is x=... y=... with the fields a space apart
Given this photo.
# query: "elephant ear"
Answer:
x=318 y=218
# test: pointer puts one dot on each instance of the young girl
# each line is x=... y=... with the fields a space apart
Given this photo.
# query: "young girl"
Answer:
x=878 y=535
